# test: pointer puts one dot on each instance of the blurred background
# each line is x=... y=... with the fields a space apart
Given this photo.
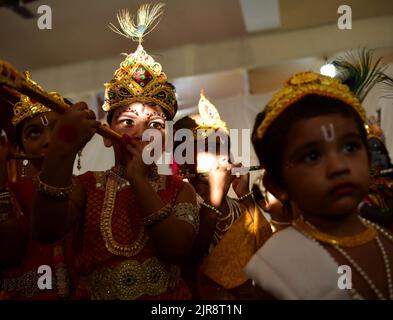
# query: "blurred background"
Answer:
x=239 y=51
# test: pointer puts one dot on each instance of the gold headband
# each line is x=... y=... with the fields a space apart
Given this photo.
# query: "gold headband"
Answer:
x=301 y=85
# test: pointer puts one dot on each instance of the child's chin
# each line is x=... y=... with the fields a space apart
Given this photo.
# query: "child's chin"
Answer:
x=344 y=206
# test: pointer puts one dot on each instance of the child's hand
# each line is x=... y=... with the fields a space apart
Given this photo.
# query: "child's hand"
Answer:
x=241 y=185
x=136 y=168
x=75 y=128
x=220 y=180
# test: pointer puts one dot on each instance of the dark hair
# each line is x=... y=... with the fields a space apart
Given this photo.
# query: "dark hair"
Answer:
x=269 y=150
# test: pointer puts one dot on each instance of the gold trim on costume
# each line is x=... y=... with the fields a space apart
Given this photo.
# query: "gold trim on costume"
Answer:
x=131 y=279
x=106 y=225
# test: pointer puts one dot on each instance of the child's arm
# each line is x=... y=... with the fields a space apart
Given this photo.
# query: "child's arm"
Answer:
x=13 y=227
x=54 y=214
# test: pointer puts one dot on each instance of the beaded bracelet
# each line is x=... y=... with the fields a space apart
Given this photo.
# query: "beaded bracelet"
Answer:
x=157 y=216
x=50 y=191
x=249 y=194
x=218 y=212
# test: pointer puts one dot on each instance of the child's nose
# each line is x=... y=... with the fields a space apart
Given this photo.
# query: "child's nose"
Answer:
x=138 y=130
x=337 y=165
x=46 y=138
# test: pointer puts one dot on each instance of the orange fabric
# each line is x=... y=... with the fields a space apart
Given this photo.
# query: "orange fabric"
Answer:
x=225 y=263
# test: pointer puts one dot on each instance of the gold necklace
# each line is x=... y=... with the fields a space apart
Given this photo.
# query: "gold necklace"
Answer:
x=348 y=241
x=106 y=225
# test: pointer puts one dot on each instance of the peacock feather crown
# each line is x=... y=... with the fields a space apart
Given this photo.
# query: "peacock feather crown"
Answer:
x=139 y=77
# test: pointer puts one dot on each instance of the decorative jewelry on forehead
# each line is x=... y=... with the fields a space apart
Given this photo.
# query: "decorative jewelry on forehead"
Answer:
x=44 y=120
x=328 y=132
x=146 y=113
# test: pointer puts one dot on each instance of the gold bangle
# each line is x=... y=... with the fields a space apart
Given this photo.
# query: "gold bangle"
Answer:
x=50 y=191
x=157 y=216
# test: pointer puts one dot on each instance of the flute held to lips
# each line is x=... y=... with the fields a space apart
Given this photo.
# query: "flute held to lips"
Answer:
x=237 y=172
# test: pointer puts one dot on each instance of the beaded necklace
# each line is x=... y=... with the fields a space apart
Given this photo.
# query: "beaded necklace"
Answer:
x=360 y=270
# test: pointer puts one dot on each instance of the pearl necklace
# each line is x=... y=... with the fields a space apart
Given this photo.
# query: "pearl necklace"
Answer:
x=362 y=273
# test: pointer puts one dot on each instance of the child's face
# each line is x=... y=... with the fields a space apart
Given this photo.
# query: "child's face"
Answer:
x=135 y=118
x=37 y=133
x=326 y=166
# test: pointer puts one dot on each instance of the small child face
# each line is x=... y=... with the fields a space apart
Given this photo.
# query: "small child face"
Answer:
x=135 y=118
x=37 y=133
x=326 y=166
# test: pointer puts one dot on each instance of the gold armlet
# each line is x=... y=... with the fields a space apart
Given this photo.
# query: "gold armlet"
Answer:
x=157 y=216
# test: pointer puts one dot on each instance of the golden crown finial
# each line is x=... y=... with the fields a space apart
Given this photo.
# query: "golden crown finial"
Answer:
x=139 y=78
x=301 y=85
x=209 y=115
x=374 y=130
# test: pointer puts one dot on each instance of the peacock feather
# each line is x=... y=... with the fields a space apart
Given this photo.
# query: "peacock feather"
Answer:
x=360 y=71
x=135 y=28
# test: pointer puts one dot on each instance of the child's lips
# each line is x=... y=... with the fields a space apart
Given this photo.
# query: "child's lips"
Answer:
x=344 y=189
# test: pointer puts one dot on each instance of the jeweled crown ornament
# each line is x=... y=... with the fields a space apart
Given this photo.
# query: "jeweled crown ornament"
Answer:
x=303 y=84
x=208 y=118
x=26 y=107
x=374 y=130
x=139 y=77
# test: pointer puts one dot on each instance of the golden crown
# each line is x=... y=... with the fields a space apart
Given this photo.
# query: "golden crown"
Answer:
x=301 y=85
x=208 y=118
x=27 y=108
x=140 y=77
x=374 y=130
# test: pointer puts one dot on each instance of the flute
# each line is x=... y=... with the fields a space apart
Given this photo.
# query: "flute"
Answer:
x=386 y=171
x=23 y=156
x=13 y=82
x=205 y=174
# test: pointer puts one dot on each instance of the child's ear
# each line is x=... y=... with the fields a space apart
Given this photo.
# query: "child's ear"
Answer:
x=107 y=142
x=274 y=188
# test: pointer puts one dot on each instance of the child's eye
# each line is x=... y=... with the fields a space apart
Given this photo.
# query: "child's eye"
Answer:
x=127 y=122
x=351 y=147
x=156 y=125
x=33 y=133
x=310 y=157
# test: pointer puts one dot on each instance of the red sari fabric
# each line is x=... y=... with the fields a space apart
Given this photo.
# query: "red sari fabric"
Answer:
x=90 y=252
x=21 y=283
